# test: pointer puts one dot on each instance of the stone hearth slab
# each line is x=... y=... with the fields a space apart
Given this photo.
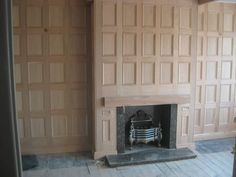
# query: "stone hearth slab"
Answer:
x=149 y=156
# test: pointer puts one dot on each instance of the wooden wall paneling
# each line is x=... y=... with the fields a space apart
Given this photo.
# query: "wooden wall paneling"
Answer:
x=52 y=62
x=141 y=48
x=218 y=33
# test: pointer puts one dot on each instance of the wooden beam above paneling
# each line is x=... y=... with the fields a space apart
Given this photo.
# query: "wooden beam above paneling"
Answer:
x=223 y=1
x=146 y=100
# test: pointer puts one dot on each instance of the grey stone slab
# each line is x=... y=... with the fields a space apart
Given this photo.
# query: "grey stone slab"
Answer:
x=149 y=156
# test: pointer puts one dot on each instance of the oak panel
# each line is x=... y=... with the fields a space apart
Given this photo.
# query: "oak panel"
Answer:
x=35 y=70
x=108 y=14
x=129 y=73
x=37 y=127
x=167 y=16
x=149 y=15
x=129 y=14
x=166 y=73
x=109 y=44
x=129 y=44
x=34 y=45
x=167 y=44
x=109 y=73
x=59 y=126
x=36 y=100
x=148 y=73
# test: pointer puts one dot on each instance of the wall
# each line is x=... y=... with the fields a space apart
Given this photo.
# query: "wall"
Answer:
x=215 y=85
x=52 y=63
x=143 y=47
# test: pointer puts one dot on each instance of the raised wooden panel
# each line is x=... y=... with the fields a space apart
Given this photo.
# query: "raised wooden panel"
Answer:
x=35 y=70
x=79 y=98
x=109 y=73
x=226 y=69
x=59 y=126
x=148 y=73
x=78 y=16
x=210 y=94
x=197 y=121
x=198 y=98
x=210 y=116
x=227 y=46
x=228 y=25
x=167 y=16
x=56 y=44
x=17 y=46
x=129 y=73
x=16 y=16
x=167 y=44
x=200 y=46
x=36 y=100
x=109 y=14
x=184 y=73
x=200 y=21
x=211 y=70
x=34 y=16
x=109 y=44
x=57 y=72
x=106 y=128
x=149 y=15
x=34 y=45
x=21 y=128
x=19 y=101
x=185 y=45
x=225 y=93
x=166 y=73
x=199 y=71
x=56 y=16
x=18 y=73
x=185 y=18
x=185 y=125
x=78 y=44
x=149 y=44
x=78 y=72
x=235 y=93
x=212 y=46
x=80 y=123
x=129 y=14
x=213 y=21
x=37 y=127
x=129 y=44
x=224 y=116
x=57 y=99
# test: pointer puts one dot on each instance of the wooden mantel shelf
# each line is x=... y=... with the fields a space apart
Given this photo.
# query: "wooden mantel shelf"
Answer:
x=146 y=100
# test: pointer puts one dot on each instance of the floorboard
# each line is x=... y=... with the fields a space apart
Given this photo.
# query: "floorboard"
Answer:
x=214 y=159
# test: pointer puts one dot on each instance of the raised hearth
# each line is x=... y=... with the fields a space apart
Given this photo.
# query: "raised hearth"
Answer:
x=149 y=156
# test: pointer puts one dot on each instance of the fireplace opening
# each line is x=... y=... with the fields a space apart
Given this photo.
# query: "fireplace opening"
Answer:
x=141 y=127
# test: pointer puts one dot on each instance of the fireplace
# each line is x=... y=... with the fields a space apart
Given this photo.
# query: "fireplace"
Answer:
x=154 y=124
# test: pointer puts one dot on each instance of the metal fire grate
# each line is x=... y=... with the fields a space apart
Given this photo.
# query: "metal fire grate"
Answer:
x=142 y=129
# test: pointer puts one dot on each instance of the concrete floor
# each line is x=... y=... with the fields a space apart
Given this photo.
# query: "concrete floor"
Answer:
x=214 y=158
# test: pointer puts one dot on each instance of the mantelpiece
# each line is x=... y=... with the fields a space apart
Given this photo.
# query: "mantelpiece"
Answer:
x=146 y=100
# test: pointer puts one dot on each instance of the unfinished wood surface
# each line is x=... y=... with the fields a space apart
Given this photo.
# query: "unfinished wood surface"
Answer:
x=143 y=48
x=52 y=62
x=215 y=104
x=145 y=100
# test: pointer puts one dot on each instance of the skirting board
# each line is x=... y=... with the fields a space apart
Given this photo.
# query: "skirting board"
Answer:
x=214 y=136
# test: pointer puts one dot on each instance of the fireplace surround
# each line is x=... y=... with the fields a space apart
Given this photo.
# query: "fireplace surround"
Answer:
x=166 y=115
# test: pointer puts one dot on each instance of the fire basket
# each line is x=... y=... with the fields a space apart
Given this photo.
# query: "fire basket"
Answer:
x=142 y=129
